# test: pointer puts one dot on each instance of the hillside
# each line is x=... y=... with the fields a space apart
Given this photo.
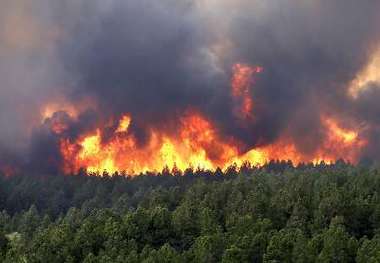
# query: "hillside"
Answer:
x=276 y=213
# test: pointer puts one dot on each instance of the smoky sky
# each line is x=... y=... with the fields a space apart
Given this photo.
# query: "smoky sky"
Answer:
x=156 y=60
x=143 y=57
x=311 y=51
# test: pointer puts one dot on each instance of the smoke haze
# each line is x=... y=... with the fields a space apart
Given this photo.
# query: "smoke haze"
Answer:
x=158 y=60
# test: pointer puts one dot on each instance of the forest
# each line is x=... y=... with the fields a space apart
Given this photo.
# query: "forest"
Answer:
x=273 y=213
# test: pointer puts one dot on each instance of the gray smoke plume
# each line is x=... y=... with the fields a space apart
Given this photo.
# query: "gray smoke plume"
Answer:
x=158 y=59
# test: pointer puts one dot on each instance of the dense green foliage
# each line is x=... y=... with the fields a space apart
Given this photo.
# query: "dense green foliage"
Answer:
x=272 y=214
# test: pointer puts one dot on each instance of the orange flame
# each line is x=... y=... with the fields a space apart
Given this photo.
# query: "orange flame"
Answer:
x=198 y=145
x=343 y=142
x=242 y=80
x=124 y=124
x=198 y=142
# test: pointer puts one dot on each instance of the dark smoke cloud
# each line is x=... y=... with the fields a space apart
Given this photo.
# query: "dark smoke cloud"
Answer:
x=311 y=51
x=29 y=74
x=143 y=57
x=146 y=58
x=367 y=111
x=158 y=59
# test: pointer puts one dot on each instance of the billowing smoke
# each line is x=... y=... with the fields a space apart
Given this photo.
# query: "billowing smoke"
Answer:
x=158 y=60
x=311 y=51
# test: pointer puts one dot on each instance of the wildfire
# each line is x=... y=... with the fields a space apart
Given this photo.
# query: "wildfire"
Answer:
x=124 y=124
x=62 y=105
x=242 y=80
x=198 y=145
x=342 y=142
x=344 y=135
x=50 y=109
x=196 y=141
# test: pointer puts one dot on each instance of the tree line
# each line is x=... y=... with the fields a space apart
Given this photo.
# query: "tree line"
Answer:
x=274 y=213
